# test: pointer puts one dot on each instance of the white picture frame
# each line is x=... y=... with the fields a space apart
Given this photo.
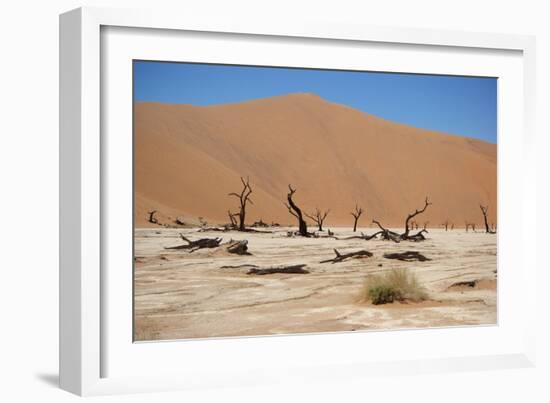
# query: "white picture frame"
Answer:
x=93 y=342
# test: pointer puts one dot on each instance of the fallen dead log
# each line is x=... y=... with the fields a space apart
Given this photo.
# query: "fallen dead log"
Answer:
x=292 y=234
x=239 y=266
x=258 y=231
x=362 y=236
x=294 y=269
x=228 y=228
x=215 y=229
x=407 y=256
x=198 y=244
x=260 y=224
x=386 y=234
x=352 y=255
x=470 y=284
x=238 y=247
x=419 y=236
x=325 y=236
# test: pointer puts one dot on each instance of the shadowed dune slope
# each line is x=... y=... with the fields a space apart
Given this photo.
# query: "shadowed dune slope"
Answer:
x=188 y=158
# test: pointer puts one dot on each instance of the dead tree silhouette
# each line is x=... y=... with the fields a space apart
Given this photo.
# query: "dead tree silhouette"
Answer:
x=244 y=198
x=356 y=214
x=296 y=212
x=394 y=236
x=484 y=210
x=412 y=215
x=152 y=218
x=318 y=217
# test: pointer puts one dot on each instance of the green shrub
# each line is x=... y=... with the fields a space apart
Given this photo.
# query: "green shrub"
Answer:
x=394 y=285
x=382 y=294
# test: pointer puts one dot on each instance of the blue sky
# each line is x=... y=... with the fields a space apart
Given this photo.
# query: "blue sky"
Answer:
x=465 y=106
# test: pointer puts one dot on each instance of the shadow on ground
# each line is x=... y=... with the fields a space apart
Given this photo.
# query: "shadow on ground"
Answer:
x=49 y=379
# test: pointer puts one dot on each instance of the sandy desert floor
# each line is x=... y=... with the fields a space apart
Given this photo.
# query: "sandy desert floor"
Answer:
x=182 y=295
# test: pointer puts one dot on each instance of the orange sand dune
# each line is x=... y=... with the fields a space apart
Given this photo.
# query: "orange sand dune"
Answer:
x=188 y=158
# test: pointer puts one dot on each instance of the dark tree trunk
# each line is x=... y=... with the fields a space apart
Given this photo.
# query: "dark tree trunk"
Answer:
x=242 y=216
x=296 y=212
x=152 y=218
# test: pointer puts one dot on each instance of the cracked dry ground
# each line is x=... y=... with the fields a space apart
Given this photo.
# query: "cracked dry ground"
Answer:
x=182 y=295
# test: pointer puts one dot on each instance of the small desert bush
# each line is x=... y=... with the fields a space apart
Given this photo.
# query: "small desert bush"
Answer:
x=394 y=285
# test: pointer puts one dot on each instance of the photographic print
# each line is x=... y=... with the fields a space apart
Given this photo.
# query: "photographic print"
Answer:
x=273 y=200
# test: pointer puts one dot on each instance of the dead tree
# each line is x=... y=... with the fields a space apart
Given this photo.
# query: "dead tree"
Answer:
x=352 y=255
x=484 y=210
x=356 y=214
x=294 y=269
x=412 y=215
x=362 y=236
x=446 y=225
x=419 y=236
x=394 y=236
x=198 y=244
x=387 y=234
x=238 y=247
x=296 y=212
x=232 y=218
x=260 y=223
x=407 y=256
x=244 y=198
x=425 y=224
x=152 y=218
x=318 y=217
